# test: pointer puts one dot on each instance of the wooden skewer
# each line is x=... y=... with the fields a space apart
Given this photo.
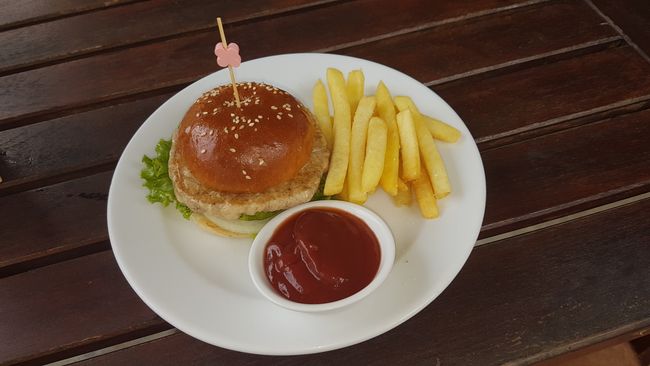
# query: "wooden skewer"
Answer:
x=232 y=73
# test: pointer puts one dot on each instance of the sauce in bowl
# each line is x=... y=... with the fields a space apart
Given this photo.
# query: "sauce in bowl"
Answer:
x=321 y=255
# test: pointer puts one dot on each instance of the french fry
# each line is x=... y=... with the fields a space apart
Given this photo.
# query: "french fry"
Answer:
x=373 y=165
x=440 y=130
x=409 y=146
x=355 y=88
x=433 y=163
x=437 y=128
x=425 y=196
x=344 y=195
x=403 y=196
x=342 y=125
x=322 y=112
x=358 y=138
x=386 y=110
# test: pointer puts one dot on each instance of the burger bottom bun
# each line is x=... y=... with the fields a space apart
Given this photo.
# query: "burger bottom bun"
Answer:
x=228 y=228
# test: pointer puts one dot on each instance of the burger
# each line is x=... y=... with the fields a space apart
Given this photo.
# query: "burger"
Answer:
x=229 y=164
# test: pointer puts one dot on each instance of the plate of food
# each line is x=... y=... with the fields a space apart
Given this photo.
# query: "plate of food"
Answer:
x=223 y=172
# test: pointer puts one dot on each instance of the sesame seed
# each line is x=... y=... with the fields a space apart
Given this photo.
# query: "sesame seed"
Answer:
x=205 y=112
x=236 y=136
x=251 y=124
x=232 y=114
x=274 y=107
x=241 y=127
x=248 y=177
x=290 y=115
x=203 y=151
x=278 y=116
x=187 y=130
x=243 y=172
x=258 y=116
x=211 y=132
x=198 y=114
x=232 y=150
x=255 y=129
x=261 y=161
x=232 y=128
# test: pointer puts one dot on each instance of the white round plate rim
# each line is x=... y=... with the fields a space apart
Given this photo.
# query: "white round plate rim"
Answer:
x=177 y=278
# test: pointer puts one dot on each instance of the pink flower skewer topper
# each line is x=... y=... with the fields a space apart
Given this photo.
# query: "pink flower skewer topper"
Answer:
x=228 y=55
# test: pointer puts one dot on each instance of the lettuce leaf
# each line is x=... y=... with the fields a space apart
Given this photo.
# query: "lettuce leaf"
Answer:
x=157 y=181
x=262 y=215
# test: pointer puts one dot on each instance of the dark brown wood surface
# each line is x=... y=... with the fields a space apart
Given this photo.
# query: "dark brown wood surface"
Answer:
x=16 y=13
x=631 y=17
x=156 y=19
x=556 y=94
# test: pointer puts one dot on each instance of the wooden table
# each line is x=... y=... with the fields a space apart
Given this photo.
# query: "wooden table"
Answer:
x=556 y=93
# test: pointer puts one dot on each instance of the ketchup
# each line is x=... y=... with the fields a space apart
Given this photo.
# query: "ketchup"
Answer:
x=321 y=255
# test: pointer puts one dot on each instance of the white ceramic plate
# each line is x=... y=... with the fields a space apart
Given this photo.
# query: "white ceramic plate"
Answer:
x=199 y=282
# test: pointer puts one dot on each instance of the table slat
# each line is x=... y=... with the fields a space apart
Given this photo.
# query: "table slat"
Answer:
x=502 y=105
x=48 y=221
x=15 y=13
x=632 y=16
x=56 y=149
x=565 y=172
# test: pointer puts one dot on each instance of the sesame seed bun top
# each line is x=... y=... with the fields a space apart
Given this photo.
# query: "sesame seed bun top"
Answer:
x=248 y=149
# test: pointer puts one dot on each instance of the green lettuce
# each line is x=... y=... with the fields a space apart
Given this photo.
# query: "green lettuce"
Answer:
x=157 y=181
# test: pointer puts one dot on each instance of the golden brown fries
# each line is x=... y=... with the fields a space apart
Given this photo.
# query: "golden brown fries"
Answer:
x=373 y=165
x=381 y=141
x=425 y=196
x=432 y=161
x=440 y=130
x=409 y=146
x=342 y=125
x=386 y=110
x=355 y=88
x=358 y=139
x=403 y=196
x=322 y=112
x=437 y=128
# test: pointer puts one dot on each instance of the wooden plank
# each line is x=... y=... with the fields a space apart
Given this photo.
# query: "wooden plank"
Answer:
x=69 y=306
x=620 y=354
x=15 y=13
x=501 y=105
x=49 y=221
x=522 y=300
x=632 y=17
x=41 y=159
x=435 y=54
x=30 y=46
x=565 y=172
x=136 y=70
x=58 y=148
